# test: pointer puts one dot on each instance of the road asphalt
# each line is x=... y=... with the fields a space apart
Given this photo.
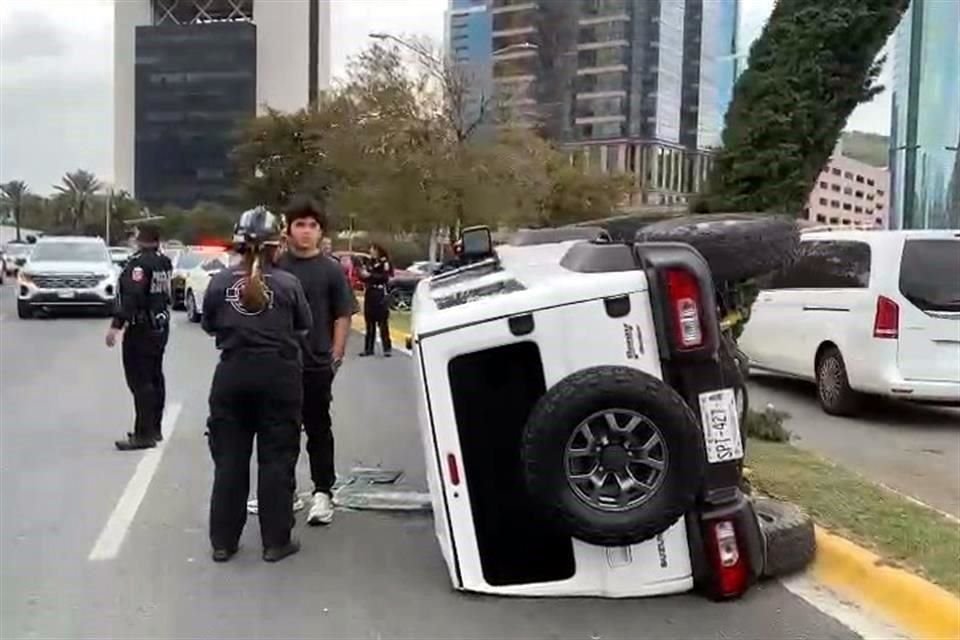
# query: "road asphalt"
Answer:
x=370 y=575
x=911 y=448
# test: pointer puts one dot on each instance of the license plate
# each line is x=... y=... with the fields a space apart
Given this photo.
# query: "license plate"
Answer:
x=721 y=425
x=66 y=294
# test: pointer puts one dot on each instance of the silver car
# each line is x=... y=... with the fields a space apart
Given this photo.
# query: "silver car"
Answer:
x=67 y=272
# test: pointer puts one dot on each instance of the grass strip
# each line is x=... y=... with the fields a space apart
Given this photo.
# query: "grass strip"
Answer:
x=905 y=533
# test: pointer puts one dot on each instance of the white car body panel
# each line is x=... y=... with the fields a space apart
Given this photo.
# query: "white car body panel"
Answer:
x=572 y=331
x=788 y=326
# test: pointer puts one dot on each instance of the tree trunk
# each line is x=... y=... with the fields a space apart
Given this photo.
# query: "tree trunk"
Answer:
x=16 y=220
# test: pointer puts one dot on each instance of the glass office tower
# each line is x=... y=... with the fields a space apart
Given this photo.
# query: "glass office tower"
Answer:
x=925 y=128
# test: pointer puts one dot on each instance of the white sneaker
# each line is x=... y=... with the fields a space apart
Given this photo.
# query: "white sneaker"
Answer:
x=253 y=507
x=321 y=512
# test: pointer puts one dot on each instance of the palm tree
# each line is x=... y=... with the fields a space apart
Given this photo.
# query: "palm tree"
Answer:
x=14 y=192
x=79 y=187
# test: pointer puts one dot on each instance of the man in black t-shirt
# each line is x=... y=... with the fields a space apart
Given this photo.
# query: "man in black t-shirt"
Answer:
x=331 y=303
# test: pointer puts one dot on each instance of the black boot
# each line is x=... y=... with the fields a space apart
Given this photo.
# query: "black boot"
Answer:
x=133 y=443
x=223 y=555
x=275 y=554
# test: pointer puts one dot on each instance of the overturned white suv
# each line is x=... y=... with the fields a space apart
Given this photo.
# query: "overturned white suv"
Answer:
x=581 y=435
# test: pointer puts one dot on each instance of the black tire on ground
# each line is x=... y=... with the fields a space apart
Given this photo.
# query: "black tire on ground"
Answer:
x=555 y=442
x=736 y=246
x=24 y=311
x=833 y=387
x=789 y=540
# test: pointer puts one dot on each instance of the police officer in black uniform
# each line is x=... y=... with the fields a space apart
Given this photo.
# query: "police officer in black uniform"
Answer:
x=143 y=314
x=258 y=315
x=376 y=305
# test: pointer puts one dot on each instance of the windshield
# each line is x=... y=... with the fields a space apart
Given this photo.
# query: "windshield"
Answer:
x=928 y=274
x=69 y=252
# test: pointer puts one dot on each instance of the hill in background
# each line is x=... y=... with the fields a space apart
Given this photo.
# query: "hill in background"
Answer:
x=871 y=148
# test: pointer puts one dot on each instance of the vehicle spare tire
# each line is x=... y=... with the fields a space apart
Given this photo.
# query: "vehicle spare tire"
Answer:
x=788 y=537
x=612 y=455
x=736 y=246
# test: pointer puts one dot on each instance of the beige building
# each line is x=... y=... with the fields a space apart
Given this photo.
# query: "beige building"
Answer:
x=662 y=174
x=850 y=193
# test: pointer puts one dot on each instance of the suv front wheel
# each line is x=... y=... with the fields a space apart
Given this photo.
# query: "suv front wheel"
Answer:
x=613 y=455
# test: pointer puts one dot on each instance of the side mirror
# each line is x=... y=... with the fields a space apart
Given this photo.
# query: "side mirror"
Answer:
x=477 y=242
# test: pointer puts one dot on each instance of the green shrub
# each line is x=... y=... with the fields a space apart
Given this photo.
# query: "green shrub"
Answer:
x=767 y=425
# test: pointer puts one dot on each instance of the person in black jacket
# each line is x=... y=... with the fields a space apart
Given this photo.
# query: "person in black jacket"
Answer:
x=376 y=305
x=258 y=315
x=143 y=315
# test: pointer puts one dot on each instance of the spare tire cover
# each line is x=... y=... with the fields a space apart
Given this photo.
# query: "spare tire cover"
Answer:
x=736 y=246
x=613 y=455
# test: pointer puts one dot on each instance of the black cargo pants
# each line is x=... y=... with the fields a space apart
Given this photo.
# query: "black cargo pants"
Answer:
x=317 y=395
x=143 y=348
x=254 y=395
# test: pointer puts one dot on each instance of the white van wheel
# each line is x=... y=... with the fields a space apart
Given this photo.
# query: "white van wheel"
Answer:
x=833 y=387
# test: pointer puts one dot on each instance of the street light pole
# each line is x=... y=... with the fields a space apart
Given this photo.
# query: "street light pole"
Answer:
x=109 y=206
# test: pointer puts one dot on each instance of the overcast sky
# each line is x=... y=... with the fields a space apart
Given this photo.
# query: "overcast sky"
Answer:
x=56 y=107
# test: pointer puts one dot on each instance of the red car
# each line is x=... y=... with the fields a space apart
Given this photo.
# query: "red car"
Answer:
x=352 y=262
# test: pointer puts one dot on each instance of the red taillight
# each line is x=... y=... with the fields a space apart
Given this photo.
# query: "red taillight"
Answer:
x=730 y=567
x=683 y=293
x=886 y=323
x=453 y=469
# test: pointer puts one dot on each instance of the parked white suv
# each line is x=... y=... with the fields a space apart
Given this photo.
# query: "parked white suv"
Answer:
x=580 y=435
x=864 y=312
x=67 y=272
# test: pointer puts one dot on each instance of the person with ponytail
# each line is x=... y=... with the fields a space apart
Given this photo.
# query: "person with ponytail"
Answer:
x=258 y=315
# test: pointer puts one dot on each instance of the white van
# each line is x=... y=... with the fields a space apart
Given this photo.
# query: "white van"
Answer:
x=864 y=312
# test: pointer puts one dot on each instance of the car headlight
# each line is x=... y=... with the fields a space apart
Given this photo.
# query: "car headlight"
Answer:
x=24 y=278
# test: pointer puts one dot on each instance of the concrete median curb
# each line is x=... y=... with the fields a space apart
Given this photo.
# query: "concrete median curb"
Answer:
x=920 y=608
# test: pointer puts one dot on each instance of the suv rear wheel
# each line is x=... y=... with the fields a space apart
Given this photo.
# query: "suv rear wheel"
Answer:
x=613 y=455
x=736 y=246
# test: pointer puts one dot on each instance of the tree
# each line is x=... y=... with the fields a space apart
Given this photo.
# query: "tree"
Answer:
x=813 y=64
x=396 y=149
x=78 y=188
x=277 y=160
x=14 y=193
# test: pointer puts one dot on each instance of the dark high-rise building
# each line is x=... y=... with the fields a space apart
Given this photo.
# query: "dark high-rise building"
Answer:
x=190 y=104
x=632 y=85
x=925 y=128
x=189 y=73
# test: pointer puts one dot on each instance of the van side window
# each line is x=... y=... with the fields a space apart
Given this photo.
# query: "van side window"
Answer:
x=827 y=264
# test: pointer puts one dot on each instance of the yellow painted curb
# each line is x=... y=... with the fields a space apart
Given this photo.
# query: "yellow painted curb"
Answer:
x=920 y=608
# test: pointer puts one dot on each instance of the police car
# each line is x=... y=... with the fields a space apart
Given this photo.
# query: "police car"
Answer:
x=198 y=278
x=582 y=438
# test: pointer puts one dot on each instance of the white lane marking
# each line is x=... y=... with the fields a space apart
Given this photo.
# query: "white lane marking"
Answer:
x=861 y=622
x=111 y=538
